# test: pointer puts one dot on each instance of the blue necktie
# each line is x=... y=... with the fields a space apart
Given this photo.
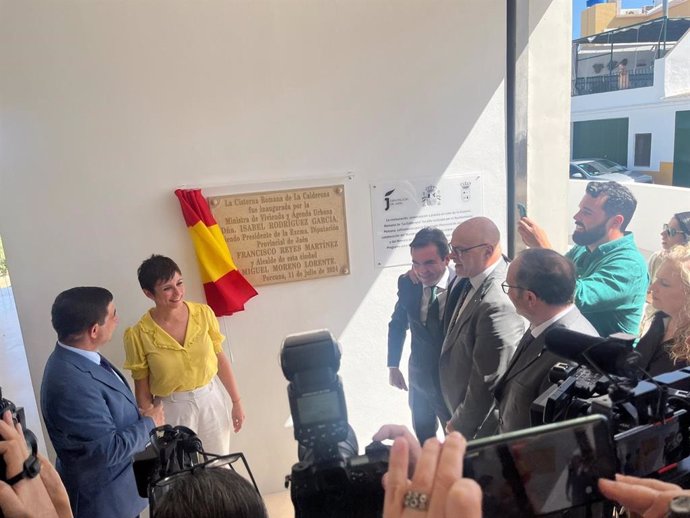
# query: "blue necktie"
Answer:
x=108 y=366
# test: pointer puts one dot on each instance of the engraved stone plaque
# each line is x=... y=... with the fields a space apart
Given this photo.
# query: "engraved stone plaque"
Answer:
x=287 y=235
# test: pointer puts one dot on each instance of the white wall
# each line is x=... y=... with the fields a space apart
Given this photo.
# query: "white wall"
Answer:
x=107 y=107
x=543 y=104
x=677 y=74
x=657 y=119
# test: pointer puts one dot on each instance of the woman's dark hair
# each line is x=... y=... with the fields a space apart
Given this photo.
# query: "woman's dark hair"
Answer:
x=683 y=219
x=77 y=310
x=155 y=269
x=211 y=493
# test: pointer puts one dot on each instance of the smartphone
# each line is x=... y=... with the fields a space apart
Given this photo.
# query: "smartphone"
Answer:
x=652 y=449
x=544 y=469
x=522 y=210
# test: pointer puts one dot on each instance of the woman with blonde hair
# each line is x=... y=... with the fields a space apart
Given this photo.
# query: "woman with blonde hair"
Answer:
x=665 y=346
x=675 y=232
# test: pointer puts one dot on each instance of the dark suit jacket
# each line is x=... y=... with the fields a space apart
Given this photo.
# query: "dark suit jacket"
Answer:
x=95 y=427
x=655 y=357
x=451 y=299
x=425 y=343
x=527 y=375
x=476 y=352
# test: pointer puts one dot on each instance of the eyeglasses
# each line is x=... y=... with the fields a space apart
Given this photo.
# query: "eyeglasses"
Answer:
x=672 y=232
x=505 y=286
x=459 y=251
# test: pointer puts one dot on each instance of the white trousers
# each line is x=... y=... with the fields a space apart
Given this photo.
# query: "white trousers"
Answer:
x=205 y=411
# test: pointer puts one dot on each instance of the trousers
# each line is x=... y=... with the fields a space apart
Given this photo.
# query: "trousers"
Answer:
x=426 y=403
x=204 y=411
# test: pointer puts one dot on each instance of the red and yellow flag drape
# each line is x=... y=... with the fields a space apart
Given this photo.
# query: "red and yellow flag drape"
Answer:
x=226 y=288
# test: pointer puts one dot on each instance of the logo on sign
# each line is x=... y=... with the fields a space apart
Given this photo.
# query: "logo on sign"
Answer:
x=465 y=193
x=431 y=196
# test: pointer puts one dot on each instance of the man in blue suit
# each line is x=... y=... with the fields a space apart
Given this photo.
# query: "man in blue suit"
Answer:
x=89 y=410
x=419 y=308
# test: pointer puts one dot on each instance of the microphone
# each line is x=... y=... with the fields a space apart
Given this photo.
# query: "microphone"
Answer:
x=613 y=355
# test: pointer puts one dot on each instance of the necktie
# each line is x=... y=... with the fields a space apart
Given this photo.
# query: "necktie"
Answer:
x=523 y=344
x=108 y=366
x=433 y=322
x=464 y=287
x=526 y=339
x=433 y=301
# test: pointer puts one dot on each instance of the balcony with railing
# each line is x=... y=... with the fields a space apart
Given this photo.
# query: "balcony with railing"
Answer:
x=622 y=80
x=623 y=59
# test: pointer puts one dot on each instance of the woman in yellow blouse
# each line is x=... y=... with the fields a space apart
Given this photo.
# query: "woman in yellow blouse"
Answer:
x=175 y=352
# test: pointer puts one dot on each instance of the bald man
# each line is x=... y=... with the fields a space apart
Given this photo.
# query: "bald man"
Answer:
x=483 y=329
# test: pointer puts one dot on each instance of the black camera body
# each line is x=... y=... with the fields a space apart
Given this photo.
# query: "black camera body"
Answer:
x=172 y=449
x=650 y=419
x=340 y=487
x=331 y=480
x=17 y=417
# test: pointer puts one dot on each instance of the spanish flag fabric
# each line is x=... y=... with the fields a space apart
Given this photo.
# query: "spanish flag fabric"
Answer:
x=226 y=288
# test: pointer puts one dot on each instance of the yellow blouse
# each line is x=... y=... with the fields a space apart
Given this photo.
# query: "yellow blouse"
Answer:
x=171 y=367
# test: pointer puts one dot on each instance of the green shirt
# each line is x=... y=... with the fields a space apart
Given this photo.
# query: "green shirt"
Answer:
x=611 y=285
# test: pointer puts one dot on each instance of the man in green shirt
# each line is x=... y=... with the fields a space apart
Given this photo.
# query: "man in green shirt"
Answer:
x=612 y=274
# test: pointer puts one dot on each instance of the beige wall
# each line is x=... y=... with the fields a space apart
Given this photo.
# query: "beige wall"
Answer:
x=597 y=18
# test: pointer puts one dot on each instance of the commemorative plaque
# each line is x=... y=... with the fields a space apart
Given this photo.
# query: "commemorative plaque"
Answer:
x=287 y=235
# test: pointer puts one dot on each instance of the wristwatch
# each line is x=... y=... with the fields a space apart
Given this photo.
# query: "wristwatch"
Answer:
x=32 y=467
x=679 y=507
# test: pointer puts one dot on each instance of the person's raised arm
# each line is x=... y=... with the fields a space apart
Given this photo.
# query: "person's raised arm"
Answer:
x=610 y=286
x=532 y=234
x=27 y=498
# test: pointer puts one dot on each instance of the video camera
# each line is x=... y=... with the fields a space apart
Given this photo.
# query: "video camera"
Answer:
x=175 y=452
x=173 y=449
x=330 y=480
x=17 y=417
x=650 y=419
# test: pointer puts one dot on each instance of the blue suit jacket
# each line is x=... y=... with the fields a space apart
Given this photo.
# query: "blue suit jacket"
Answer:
x=95 y=427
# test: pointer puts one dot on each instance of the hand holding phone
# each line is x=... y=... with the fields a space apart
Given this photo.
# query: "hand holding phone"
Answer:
x=522 y=210
x=544 y=469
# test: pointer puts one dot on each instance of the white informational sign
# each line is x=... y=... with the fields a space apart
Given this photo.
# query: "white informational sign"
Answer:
x=401 y=208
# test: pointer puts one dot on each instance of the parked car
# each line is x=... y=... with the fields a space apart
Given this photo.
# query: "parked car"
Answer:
x=602 y=169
